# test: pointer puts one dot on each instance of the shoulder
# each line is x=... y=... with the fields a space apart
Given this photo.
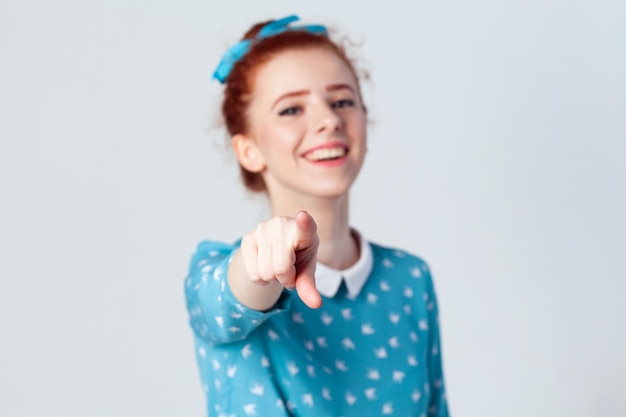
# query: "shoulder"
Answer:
x=409 y=270
x=389 y=257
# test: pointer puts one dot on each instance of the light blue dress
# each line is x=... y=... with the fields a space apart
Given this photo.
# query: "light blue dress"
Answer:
x=372 y=349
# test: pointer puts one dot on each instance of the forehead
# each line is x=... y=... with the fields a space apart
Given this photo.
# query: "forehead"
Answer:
x=301 y=69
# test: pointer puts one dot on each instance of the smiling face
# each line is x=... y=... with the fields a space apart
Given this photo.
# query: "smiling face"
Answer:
x=307 y=134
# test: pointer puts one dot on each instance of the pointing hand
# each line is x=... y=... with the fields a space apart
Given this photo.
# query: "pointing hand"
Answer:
x=284 y=249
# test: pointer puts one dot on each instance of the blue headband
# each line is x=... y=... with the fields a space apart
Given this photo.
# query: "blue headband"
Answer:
x=236 y=52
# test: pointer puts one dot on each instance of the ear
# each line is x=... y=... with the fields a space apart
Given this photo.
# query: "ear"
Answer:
x=248 y=154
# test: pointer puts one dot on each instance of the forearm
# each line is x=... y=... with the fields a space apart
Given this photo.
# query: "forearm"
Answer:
x=215 y=313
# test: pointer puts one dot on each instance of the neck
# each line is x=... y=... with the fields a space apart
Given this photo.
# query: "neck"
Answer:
x=338 y=248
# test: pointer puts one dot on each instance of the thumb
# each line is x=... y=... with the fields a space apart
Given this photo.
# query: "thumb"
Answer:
x=307 y=291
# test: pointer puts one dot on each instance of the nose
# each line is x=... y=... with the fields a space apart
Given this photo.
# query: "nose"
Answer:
x=325 y=119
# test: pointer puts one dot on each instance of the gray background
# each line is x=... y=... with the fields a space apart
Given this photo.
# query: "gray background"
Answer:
x=497 y=153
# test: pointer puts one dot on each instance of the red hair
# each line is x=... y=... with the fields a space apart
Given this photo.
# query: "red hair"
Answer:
x=240 y=82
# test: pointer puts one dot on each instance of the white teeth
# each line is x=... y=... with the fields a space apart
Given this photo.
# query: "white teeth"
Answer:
x=326 y=153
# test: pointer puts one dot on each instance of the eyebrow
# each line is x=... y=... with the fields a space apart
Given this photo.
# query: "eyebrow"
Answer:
x=330 y=88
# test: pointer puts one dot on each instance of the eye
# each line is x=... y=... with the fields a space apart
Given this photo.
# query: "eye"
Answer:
x=291 y=111
x=347 y=102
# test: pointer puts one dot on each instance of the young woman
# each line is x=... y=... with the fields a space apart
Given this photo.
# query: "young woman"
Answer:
x=304 y=316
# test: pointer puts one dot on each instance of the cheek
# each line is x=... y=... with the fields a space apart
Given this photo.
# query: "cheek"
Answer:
x=280 y=137
x=358 y=128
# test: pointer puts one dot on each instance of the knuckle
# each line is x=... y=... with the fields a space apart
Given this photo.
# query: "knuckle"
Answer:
x=288 y=282
x=259 y=281
x=247 y=242
x=267 y=275
x=283 y=269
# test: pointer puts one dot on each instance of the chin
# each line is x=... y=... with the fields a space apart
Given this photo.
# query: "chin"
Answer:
x=334 y=190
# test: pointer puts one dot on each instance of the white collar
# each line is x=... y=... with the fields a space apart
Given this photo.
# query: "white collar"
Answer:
x=328 y=280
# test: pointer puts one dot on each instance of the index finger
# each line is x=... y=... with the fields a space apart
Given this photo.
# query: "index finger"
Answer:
x=306 y=231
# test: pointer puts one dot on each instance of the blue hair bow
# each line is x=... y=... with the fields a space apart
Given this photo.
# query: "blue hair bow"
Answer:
x=237 y=51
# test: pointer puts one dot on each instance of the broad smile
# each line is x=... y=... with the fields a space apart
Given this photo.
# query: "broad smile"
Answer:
x=326 y=153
